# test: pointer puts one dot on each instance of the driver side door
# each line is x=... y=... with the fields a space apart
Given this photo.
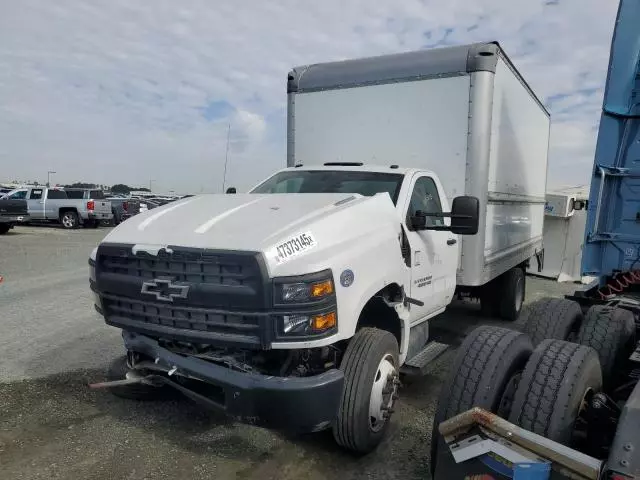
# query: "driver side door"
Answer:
x=434 y=254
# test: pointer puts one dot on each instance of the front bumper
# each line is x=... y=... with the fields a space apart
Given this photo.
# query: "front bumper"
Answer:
x=301 y=404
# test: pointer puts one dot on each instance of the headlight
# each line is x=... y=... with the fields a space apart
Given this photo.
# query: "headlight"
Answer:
x=306 y=292
x=310 y=303
x=305 y=289
x=305 y=325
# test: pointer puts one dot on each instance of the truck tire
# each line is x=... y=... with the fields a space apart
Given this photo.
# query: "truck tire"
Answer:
x=488 y=295
x=552 y=388
x=611 y=333
x=370 y=366
x=69 y=219
x=4 y=228
x=511 y=294
x=484 y=374
x=118 y=370
x=556 y=318
x=503 y=296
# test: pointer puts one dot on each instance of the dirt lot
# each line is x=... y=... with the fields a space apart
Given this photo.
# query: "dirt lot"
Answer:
x=53 y=427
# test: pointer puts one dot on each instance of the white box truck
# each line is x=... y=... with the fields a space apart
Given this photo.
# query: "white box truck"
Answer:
x=297 y=305
x=463 y=112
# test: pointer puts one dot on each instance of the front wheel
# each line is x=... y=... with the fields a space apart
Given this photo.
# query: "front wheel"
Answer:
x=4 y=228
x=69 y=220
x=370 y=366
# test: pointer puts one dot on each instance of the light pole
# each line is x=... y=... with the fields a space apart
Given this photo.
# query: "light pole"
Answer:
x=49 y=177
x=150 y=182
x=226 y=159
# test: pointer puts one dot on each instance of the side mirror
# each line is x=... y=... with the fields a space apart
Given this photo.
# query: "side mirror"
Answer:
x=419 y=221
x=465 y=215
x=580 y=204
x=231 y=190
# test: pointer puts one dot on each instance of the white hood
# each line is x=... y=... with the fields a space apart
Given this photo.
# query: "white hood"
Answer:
x=253 y=222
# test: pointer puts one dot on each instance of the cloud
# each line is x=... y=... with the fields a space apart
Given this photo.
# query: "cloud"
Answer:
x=127 y=91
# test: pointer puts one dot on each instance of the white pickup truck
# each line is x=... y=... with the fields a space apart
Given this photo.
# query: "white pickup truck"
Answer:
x=297 y=305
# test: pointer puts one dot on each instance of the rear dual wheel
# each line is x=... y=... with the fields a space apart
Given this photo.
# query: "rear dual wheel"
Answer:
x=503 y=297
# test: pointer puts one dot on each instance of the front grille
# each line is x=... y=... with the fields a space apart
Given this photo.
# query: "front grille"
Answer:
x=191 y=324
x=221 y=288
x=216 y=279
x=182 y=266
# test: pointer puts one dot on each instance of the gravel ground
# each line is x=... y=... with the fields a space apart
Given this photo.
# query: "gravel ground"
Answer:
x=53 y=427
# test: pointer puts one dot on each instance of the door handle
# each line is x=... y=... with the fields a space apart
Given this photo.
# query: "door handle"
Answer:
x=452 y=241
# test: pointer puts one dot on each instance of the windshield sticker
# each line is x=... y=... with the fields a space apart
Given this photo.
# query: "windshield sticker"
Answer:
x=293 y=247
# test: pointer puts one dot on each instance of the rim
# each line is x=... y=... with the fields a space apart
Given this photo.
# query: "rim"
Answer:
x=383 y=393
x=519 y=294
x=67 y=220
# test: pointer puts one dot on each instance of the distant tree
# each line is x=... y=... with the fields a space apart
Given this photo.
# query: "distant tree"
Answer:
x=81 y=185
x=121 y=188
x=142 y=189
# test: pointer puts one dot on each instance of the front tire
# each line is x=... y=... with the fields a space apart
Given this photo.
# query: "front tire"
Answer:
x=370 y=366
x=4 y=228
x=69 y=220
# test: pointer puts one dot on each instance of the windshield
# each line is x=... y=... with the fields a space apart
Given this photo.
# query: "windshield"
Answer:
x=332 y=181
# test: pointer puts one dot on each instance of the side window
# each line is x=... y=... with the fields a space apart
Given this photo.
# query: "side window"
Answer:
x=20 y=195
x=36 y=194
x=57 y=194
x=425 y=198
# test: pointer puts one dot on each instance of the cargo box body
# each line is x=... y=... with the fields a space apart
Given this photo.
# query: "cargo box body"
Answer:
x=463 y=112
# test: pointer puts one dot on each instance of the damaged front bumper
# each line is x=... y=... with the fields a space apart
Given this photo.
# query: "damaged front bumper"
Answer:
x=286 y=403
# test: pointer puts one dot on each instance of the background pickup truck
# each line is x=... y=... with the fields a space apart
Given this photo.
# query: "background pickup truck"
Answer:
x=11 y=213
x=53 y=205
x=123 y=208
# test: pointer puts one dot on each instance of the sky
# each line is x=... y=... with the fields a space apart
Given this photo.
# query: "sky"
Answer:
x=139 y=92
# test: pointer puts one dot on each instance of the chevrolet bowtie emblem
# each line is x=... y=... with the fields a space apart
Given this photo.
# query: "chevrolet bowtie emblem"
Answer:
x=164 y=289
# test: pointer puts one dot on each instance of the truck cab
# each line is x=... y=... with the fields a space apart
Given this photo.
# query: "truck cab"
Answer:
x=431 y=256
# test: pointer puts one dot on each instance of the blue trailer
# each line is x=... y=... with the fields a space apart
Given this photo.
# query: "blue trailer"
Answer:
x=561 y=398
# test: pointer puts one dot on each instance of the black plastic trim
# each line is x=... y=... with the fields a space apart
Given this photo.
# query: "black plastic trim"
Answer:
x=287 y=403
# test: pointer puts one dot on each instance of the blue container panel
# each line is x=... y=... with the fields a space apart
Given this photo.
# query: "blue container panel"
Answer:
x=612 y=235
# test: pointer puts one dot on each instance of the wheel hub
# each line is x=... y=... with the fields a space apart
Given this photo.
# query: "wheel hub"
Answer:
x=384 y=392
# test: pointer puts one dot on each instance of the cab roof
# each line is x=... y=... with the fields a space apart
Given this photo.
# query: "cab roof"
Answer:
x=360 y=167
